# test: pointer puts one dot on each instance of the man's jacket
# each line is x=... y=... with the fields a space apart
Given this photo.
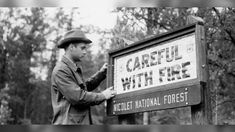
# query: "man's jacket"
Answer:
x=70 y=94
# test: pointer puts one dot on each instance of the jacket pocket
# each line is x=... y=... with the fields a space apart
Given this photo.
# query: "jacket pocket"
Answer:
x=76 y=118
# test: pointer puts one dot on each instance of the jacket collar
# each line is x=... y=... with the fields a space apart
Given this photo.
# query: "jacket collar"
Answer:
x=70 y=63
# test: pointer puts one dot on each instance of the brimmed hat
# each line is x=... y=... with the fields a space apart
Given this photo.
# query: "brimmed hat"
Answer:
x=73 y=36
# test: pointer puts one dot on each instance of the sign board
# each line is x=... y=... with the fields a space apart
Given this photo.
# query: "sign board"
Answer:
x=161 y=72
x=170 y=62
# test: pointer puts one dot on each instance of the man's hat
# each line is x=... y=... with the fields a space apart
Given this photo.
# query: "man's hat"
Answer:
x=73 y=36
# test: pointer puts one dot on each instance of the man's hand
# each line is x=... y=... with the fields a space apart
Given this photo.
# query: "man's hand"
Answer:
x=104 y=67
x=109 y=93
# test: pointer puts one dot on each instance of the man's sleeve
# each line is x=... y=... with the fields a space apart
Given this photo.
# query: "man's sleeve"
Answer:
x=73 y=93
x=95 y=80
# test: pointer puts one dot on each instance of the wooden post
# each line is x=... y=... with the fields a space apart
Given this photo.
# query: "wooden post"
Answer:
x=145 y=118
x=201 y=113
x=193 y=19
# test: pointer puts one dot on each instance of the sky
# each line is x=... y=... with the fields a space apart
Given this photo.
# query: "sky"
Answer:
x=103 y=18
x=93 y=12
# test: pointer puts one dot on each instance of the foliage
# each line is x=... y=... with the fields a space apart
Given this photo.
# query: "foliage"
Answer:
x=221 y=45
x=23 y=39
x=5 y=111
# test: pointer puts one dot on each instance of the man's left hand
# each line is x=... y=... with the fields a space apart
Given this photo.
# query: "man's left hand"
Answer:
x=104 y=67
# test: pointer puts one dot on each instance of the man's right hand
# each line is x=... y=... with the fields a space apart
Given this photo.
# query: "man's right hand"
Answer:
x=109 y=93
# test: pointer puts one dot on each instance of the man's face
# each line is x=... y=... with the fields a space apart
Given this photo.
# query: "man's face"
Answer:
x=78 y=51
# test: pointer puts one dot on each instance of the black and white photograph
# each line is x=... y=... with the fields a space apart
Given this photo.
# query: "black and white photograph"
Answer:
x=105 y=63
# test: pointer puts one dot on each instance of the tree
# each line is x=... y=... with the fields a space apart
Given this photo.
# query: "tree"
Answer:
x=220 y=42
x=23 y=43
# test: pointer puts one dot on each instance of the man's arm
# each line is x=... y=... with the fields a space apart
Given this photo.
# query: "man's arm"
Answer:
x=73 y=93
x=97 y=78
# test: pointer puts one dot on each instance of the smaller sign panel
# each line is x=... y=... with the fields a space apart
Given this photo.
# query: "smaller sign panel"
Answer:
x=171 y=98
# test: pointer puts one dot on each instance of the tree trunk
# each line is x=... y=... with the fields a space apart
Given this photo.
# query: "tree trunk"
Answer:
x=149 y=21
x=3 y=67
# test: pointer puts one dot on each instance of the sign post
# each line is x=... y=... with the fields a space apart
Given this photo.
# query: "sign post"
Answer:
x=202 y=113
x=162 y=72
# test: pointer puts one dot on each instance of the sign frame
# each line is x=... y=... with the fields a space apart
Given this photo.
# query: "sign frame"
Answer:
x=201 y=67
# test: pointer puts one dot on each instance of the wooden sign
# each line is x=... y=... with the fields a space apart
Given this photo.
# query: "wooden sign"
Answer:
x=168 y=63
x=161 y=72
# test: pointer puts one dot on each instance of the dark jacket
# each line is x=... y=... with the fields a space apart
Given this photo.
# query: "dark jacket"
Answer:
x=71 y=99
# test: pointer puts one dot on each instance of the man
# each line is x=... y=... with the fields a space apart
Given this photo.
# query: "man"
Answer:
x=71 y=95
